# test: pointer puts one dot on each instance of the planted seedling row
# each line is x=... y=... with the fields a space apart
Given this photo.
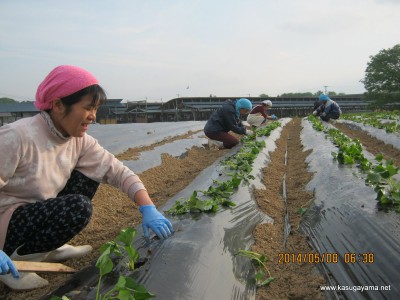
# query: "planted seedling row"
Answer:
x=380 y=176
x=374 y=120
x=240 y=167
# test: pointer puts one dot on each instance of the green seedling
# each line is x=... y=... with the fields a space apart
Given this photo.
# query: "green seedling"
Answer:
x=126 y=287
x=126 y=237
x=263 y=276
x=301 y=211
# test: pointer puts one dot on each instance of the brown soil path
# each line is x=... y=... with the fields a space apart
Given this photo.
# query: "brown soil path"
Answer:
x=292 y=280
x=372 y=144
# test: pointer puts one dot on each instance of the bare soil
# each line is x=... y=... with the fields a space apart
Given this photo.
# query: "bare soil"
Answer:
x=292 y=280
x=113 y=211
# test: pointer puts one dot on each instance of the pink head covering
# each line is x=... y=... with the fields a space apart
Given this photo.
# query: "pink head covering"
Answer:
x=61 y=82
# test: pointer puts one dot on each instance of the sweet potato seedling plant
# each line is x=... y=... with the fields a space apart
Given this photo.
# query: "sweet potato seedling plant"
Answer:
x=263 y=276
x=126 y=288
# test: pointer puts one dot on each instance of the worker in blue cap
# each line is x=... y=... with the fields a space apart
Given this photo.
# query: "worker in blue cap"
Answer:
x=227 y=118
x=328 y=110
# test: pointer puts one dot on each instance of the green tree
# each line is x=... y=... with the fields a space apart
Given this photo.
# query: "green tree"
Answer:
x=382 y=76
x=7 y=100
x=298 y=95
x=264 y=96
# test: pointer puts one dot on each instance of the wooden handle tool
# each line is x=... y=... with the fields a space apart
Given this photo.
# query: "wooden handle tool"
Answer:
x=32 y=266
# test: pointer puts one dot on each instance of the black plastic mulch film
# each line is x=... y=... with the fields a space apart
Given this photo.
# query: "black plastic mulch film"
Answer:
x=199 y=261
x=344 y=220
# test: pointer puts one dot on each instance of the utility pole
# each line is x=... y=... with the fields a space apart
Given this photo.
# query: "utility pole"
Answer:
x=326 y=89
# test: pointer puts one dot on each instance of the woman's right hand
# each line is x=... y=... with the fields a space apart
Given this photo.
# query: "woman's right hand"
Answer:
x=6 y=265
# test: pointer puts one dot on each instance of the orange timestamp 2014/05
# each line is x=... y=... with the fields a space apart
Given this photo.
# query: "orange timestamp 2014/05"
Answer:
x=325 y=257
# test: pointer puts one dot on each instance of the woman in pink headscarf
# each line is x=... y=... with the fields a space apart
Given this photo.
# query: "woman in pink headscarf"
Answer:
x=50 y=171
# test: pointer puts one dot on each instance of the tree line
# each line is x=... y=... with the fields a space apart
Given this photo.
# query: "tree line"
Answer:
x=305 y=94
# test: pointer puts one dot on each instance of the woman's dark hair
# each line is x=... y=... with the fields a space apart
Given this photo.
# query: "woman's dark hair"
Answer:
x=98 y=97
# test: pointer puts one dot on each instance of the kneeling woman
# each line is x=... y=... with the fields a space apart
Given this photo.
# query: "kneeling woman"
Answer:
x=225 y=119
x=50 y=171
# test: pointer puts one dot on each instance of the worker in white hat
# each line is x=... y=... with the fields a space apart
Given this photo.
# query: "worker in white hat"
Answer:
x=258 y=115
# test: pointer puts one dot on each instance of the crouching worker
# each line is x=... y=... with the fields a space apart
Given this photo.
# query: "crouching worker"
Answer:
x=258 y=115
x=225 y=119
x=329 y=109
x=50 y=171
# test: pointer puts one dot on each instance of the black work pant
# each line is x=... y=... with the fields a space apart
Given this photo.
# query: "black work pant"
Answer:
x=46 y=225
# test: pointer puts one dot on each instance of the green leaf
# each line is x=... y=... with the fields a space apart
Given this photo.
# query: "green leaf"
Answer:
x=104 y=263
x=259 y=275
x=125 y=295
x=228 y=203
x=236 y=181
x=374 y=178
x=385 y=200
x=120 y=283
x=140 y=292
x=392 y=170
x=127 y=236
x=348 y=160
x=302 y=210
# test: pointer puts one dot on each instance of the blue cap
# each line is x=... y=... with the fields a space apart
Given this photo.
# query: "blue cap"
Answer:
x=243 y=103
x=324 y=97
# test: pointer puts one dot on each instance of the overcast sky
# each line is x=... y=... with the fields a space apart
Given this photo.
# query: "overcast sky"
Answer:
x=157 y=49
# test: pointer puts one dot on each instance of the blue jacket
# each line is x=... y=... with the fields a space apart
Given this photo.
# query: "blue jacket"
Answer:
x=225 y=119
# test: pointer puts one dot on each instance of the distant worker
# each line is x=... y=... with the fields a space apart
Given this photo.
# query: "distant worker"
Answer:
x=328 y=110
x=258 y=115
x=225 y=119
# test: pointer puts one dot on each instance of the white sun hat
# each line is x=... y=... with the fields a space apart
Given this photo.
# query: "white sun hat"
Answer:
x=267 y=102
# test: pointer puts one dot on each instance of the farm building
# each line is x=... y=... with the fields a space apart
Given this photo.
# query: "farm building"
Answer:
x=115 y=111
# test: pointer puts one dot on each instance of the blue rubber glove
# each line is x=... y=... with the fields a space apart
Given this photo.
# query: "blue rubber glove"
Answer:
x=274 y=117
x=153 y=219
x=6 y=265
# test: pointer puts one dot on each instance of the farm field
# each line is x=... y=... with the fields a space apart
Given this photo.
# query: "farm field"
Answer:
x=296 y=186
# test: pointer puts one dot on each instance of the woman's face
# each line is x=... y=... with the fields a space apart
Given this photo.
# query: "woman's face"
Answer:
x=77 y=121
